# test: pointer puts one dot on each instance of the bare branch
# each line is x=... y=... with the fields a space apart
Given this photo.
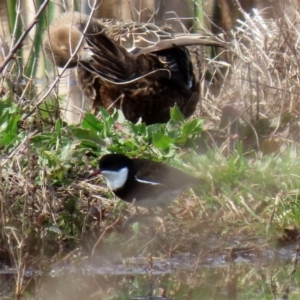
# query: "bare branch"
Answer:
x=23 y=36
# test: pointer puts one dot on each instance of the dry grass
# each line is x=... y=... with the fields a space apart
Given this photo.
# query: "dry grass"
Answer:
x=259 y=74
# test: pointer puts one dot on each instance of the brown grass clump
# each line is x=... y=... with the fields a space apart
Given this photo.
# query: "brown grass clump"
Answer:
x=256 y=81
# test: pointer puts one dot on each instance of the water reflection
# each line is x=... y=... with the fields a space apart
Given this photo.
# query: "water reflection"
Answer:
x=231 y=273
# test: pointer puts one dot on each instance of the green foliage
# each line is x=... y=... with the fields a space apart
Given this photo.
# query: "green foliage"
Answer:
x=9 y=119
x=60 y=151
x=118 y=135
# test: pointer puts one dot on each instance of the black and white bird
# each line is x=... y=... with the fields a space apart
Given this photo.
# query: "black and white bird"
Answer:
x=147 y=182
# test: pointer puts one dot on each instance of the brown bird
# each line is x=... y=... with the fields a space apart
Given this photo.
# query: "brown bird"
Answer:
x=136 y=67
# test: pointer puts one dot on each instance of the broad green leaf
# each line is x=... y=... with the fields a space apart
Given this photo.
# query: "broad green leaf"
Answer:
x=120 y=116
x=85 y=144
x=41 y=139
x=162 y=141
x=139 y=129
x=155 y=128
x=91 y=122
x=194 y=126
x=176 y=114
x=105 y=114
x=13 y=124
x=7 y=139
x=87 y=135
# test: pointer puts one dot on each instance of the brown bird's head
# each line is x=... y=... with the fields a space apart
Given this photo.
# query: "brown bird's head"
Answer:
x=64 y=36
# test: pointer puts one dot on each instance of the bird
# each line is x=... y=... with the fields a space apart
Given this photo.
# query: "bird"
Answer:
x=145 y=182
x=139 y=68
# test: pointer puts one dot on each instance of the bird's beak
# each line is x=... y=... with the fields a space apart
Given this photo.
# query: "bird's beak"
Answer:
x=95 y=173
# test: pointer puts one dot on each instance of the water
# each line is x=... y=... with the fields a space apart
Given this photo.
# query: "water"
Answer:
x=253 y=272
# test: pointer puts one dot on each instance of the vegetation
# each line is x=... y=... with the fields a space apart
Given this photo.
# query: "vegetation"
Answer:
x=230 y=238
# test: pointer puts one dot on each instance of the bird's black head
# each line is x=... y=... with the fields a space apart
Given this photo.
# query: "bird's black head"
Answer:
x=114 y=162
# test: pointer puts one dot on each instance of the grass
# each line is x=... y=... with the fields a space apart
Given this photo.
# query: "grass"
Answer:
x=52 y=216
x=52 y=209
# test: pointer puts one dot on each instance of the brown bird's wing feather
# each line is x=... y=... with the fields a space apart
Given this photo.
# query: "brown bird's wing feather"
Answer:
x=141 y=38
x=124 y=51
x=138 y=68
x=137 y=76
x=112 y=55
x=109 y=60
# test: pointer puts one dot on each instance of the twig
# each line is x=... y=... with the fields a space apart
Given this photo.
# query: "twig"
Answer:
x=23 y=36
x=103 y=234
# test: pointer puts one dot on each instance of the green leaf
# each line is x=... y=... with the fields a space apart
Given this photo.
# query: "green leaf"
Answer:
x=91 y=122
x=105 y=114
x=120 y=118
x=41 y=139
x=84 y=144
x=58 y=125
x=13 y=124
x=7 y=139
x=155 y=128
x=162 y=141
x=171 y=152
x=4 y=121
x=194 y=126
x=66 y=151
x=176 y=114
x=138 y=129
x=86 y=135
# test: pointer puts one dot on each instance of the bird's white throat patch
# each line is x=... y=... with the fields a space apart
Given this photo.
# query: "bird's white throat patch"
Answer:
x=115 y=179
